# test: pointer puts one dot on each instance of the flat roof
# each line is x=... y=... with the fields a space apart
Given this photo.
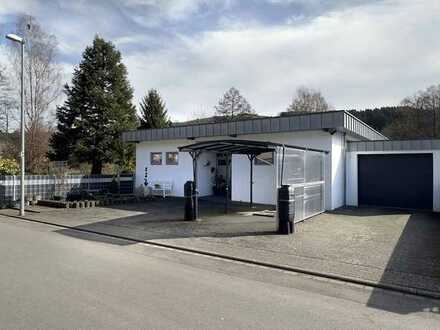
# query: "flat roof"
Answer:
x=341 y=121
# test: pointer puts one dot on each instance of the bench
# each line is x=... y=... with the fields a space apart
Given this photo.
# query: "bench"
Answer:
x=161 y=188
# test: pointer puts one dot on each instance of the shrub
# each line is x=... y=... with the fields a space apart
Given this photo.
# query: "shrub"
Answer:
x=8 y=167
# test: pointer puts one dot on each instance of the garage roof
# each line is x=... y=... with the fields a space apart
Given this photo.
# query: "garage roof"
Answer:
x=394 y=145
x=330 y=120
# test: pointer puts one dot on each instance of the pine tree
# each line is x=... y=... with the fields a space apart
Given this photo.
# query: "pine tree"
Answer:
x=97 y=110
x=233 y=105
x=62 y=142
x=154 y=113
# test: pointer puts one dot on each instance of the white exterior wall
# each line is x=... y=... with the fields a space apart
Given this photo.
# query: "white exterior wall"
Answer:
x=264 y=190
x=177 y=174
x=352 y=174
x=264 y=176
x=338 y=170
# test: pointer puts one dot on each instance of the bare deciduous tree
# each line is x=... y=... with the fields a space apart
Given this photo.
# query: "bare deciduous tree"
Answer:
x=8 y=102
x=308 y=100
x=42 y=82
x=233 y=105
x=425 y=106
x=418 y=116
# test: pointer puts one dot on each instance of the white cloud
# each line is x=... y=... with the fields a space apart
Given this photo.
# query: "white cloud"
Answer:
x=173 y=9
x=360 y=57
x=151 y=13
x=19 y=6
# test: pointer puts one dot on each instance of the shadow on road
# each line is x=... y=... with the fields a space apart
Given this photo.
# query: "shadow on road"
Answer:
x=415 y=262
x=411 y=240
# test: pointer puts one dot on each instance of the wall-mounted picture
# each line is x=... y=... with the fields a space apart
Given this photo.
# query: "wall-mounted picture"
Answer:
x=172 y=158
x=156 y=158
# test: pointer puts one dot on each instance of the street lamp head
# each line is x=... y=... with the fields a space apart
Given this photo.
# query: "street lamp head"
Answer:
x=15 y=38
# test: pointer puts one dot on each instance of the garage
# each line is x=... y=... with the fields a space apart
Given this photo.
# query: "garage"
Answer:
x=396 y=180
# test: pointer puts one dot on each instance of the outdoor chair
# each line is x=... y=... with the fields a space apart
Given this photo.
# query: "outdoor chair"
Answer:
x=161 y=188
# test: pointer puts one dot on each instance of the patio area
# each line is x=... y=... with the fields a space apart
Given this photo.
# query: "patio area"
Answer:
x=382 y=246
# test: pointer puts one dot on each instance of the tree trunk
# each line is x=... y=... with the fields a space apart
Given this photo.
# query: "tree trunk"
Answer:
x=96 y=167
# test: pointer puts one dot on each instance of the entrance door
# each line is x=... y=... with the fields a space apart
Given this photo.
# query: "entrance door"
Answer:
x=222 y=175
x=396 y=180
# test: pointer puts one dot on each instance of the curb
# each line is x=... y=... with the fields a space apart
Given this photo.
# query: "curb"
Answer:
x=341 y=278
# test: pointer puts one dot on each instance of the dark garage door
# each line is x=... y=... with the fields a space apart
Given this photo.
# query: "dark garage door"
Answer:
x=396 y=180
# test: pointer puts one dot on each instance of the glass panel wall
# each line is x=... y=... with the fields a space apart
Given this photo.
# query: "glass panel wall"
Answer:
x=293 y=169
x=303 y=170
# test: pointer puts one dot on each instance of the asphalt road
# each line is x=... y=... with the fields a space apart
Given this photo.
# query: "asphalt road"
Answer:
x=52 y=278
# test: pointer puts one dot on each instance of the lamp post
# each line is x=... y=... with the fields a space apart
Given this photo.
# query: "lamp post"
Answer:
x=20 y=40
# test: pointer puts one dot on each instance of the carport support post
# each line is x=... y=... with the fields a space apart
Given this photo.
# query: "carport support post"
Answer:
x=251 y=180
x=228 y=159
x=195 y=155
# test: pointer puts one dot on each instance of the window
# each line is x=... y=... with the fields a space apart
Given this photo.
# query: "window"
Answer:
x=264 y=159
x=156 y=158
x=172 y=158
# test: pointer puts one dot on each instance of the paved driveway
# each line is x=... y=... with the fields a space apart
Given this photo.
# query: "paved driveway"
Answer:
x=388 y=247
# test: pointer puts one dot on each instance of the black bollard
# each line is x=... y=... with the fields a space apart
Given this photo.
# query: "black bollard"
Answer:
x=190 y=213
x=286 y=211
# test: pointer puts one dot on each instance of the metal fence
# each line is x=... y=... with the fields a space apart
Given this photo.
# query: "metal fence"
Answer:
x=50 y=186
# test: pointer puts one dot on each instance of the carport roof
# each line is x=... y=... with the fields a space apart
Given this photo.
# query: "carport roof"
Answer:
x=331 y=121
x=244 y=147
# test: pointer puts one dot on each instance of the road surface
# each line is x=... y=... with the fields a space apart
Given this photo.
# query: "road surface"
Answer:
x=52 y=278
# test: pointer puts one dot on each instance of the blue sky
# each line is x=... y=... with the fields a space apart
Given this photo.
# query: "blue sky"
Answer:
x=358 y=53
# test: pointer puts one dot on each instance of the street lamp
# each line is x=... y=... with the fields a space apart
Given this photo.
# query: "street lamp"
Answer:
x=20 y=40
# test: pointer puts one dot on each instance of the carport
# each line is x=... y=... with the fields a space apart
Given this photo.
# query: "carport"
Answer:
x=299 y=167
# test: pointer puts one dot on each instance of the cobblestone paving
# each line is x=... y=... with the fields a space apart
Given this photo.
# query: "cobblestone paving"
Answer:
x=383 y=246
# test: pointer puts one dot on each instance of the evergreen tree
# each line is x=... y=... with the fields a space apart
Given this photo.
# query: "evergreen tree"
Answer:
x=62 y=142
x=97 y=110
x=154 y=113
x=379 y=118
x=233 y=105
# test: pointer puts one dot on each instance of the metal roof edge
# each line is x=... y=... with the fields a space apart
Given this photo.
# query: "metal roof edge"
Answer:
x=305 y=122
x=394 y=145
x=365 y=124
